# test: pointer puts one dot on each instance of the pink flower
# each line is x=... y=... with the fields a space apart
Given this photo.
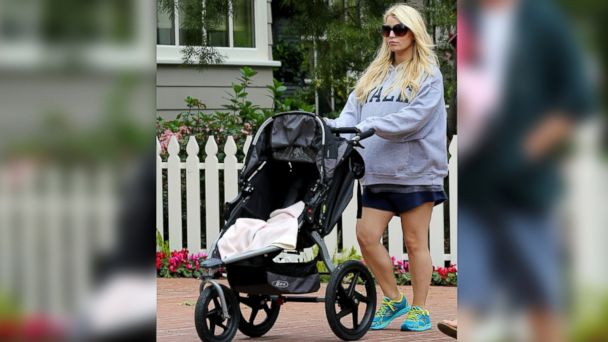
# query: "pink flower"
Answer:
x=184 y=130
x=164 y=139
x=443 y=272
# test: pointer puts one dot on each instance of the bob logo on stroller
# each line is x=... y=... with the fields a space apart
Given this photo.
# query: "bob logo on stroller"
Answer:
x=280 y=283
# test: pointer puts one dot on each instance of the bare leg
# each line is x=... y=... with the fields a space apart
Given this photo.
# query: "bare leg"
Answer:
x=370 y=227
x=415 y=225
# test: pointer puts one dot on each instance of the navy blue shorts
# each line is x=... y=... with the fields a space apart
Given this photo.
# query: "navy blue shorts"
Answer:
x=400 y=202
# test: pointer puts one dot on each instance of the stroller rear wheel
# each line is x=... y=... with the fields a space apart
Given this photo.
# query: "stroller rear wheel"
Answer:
x=350 y=300
x=258 y=314
x=211 y=325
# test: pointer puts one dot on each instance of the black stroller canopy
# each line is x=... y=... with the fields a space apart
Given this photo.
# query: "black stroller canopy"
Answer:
x=295 y=137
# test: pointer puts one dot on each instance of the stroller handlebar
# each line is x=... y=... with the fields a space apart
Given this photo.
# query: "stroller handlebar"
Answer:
x=354 y=130
x=345 y=130
x=367 y=134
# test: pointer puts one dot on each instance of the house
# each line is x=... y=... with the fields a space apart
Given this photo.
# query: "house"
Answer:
x=244 y=39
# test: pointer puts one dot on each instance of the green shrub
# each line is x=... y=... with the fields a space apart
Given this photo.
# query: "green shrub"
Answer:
x=241 y=118
x=337 y=259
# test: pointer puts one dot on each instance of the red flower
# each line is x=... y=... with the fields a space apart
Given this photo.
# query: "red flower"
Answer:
x=443 y=272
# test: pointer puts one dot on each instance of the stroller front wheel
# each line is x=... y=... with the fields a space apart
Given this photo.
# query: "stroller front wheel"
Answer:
x=261 y=312
x=209 y=320
x=350 y=300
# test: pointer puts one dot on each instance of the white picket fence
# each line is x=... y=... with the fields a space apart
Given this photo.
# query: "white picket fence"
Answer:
x=231 y=167
x=53 y=221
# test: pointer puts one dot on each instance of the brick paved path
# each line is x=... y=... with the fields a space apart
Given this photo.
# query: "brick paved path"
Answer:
x=296 y=322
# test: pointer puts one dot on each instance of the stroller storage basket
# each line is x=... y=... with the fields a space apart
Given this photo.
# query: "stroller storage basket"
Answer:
x=274 y=278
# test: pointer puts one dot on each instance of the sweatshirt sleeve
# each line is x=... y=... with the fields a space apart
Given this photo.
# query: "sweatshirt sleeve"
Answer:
x=349 y=117
x=412 y=121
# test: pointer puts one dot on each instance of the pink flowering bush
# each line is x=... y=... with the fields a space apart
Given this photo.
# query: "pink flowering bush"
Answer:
x=442 y=276
x=179 y=264
x=165 y=137
x=201 y=126
x=239 y=118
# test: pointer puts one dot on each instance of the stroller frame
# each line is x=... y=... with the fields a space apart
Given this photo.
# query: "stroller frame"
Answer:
x=211 y=290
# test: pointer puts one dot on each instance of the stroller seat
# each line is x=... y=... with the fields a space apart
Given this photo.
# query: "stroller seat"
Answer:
x=294 y=193
x=252 y=234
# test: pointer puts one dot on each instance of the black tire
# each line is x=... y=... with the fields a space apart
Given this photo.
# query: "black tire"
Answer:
x=342 y=300
x=208 y=319
x=251 y=325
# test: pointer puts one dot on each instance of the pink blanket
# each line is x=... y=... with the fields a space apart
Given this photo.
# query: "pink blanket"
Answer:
x=248 y=234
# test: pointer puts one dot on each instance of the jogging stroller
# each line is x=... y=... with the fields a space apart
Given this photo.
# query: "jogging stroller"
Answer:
x=294 y=157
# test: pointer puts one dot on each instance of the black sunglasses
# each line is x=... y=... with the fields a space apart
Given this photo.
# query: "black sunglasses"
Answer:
x=399 y=29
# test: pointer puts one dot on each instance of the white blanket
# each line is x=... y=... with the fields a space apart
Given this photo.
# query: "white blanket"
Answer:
x=248 y=234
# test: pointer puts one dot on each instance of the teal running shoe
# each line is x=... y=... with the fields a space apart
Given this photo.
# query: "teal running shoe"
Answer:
x=418 y=319
x=389 y=310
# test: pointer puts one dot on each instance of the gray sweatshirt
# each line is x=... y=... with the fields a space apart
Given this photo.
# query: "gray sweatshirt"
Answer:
x=409 y=147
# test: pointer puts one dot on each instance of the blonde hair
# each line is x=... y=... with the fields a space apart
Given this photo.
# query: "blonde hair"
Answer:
x=409 y=73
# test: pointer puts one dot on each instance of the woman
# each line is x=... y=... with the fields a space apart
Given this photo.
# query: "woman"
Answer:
x=400 y=96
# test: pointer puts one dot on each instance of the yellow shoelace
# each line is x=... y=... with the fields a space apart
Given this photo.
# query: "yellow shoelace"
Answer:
x=386 y=304
x=415 y=312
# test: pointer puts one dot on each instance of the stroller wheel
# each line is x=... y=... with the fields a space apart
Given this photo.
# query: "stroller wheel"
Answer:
x=258 y=314
x=350 y=300
x=211 y=325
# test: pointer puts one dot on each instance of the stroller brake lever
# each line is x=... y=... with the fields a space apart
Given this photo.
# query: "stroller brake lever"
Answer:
x=356 y=142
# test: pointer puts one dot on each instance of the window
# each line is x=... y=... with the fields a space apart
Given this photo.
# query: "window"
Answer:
x=243 y=23
x=165 y=28
x=237 y=30
x=99 y=33
x=106 y=22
